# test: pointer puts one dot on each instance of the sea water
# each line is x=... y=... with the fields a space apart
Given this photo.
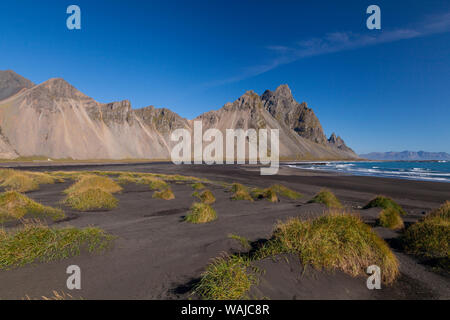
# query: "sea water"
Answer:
x=414 y=170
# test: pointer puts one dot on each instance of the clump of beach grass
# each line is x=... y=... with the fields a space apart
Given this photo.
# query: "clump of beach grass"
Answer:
x=86 y=182
x=165 y=194
x=91 y=199
x=153 y=183
x=35 y=242
x=430 y=237
x=205 y=196
x=267 y=193
x=333 y=241
x=240 y=192
x=244 y=242
x=198 y=186
x=327 y=198
x=390 y=218
x=385 y=203
x=226 y=278
x=201 y=213
x=23 y=181
x=15 y=206
x=286 y=192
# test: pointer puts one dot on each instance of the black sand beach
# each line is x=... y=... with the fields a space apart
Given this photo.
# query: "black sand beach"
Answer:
x=158 y=256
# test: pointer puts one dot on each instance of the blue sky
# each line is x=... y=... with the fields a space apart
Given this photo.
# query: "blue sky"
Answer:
x=381 y=90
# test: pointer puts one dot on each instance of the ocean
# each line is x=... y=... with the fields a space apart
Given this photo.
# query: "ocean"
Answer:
x=413 y=170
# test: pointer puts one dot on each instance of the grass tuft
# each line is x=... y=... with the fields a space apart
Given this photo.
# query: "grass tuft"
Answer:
x=244 y=242
x=14 y=206
x=165 y=194
x=286 y=192
x=154 y=183
x=268 y=194
x=23 y=181
x=91 y=199
x=201 y=213
x=205 y=197
x=333 y=241
x=430 y=237
x=89 y=181
x=35 y=242
x=327 y=198
x=198 y=186
x=226 y=278
x=240 y=192
x=390 y=218
x=385 y=203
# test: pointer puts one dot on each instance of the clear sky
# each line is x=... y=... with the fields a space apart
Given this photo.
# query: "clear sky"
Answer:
x=381 y=90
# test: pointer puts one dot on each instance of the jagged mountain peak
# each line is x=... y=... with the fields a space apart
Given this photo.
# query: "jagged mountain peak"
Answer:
x=296 y=116
x=284 y=91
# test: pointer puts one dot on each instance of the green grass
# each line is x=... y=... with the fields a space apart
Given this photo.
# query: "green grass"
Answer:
x=153 y=183
x=198 y=186
x=267 y=194
x=333 y=241
x=390 y=218
x=39 y=243
x=91 y=199
x=90 y=181
x=205 y=197
x=14 y=206
x=201 y=213
x=286 y=192
x=240 y=192
x=385 y=203
x=327 y=198
x=165 y=194
x=226 y=278
x=23 y=181
x=430 y=237
x=244 y=242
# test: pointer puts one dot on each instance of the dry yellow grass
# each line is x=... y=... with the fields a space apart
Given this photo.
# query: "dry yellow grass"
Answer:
x=14 y=206
x=201 y=213
x=91 y=199
x=165 y=194
x=338 y=240
x=240 y=192
x=206 y=196
x=23 y=181
x=86 y=182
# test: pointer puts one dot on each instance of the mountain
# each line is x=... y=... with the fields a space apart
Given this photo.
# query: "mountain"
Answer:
x=11 y=83
x=301 y=135
x=406 y=155
x=55 y=120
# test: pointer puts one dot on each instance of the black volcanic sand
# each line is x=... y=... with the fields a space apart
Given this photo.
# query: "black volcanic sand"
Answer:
x=158 y=256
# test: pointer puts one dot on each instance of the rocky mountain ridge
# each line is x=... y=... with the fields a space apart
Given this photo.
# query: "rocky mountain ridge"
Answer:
x=55 y=120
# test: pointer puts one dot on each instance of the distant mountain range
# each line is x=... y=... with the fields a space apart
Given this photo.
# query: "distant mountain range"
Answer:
x=406 y=155
x=55 y=120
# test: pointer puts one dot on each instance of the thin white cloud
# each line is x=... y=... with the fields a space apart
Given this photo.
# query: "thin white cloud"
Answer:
x=337 y=42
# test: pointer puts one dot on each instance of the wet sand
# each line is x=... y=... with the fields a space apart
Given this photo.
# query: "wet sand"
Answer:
x=158 y=256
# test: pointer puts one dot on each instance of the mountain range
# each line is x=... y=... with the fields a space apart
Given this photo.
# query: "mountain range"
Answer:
x=55 y=120
x=406 y=155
